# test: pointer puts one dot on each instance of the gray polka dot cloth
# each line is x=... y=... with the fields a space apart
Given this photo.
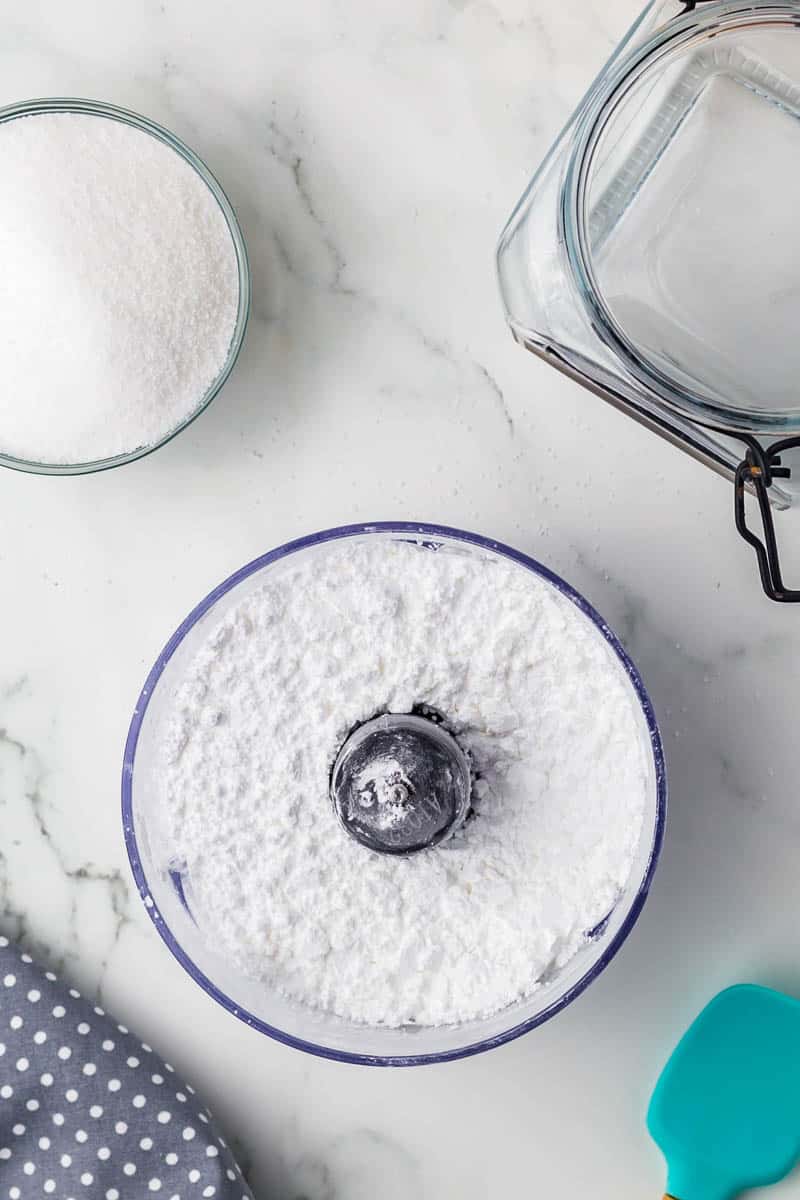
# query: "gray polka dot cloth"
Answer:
x=88 y=1112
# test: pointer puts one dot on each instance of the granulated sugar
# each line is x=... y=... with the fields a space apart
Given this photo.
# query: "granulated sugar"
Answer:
x=535 y=696
x=118 y=291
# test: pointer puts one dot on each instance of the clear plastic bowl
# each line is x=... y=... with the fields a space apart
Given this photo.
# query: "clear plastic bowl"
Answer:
x=161 y=887
x=96 y=108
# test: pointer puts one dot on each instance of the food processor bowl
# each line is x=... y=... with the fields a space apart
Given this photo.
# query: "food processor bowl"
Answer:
x=161 y=877
x=31 y=108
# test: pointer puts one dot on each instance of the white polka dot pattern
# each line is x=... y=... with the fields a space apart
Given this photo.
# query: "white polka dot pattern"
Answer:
x=87 y=1111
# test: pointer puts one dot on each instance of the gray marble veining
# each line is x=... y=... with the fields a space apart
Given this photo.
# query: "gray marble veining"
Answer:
x=373 y=152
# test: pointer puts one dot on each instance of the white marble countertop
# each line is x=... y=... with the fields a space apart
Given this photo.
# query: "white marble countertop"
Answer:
x=373 y=152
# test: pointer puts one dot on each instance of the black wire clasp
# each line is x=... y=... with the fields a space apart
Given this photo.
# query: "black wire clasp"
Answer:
x=758 y=469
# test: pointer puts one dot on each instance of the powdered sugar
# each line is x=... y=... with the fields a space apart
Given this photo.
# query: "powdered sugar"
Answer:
x=535 y=696
x=119 y=289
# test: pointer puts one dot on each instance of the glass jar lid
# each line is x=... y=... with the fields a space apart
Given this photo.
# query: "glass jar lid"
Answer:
x=681 y=214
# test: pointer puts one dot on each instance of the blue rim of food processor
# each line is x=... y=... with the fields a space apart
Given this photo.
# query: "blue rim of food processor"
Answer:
x=424 y=533
x=98 y=108
x=599 y=106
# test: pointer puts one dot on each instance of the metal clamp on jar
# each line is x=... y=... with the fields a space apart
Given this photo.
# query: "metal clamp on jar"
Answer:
x=655 y=256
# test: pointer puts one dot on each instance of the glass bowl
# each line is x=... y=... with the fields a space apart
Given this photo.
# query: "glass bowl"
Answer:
x=96 y=108
x=161 y=887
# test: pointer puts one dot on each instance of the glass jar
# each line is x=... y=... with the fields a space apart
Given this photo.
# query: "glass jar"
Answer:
x=655 y=255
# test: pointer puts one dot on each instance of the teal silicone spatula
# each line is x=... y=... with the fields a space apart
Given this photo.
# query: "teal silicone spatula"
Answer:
x=726 y=1110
